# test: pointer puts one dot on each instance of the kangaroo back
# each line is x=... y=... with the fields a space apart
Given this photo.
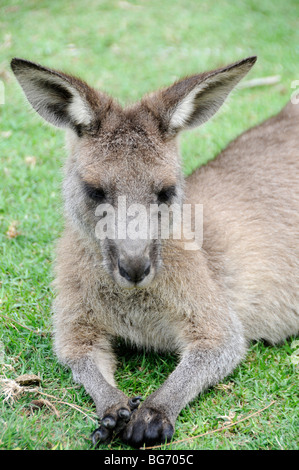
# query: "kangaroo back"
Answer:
x=251 y=224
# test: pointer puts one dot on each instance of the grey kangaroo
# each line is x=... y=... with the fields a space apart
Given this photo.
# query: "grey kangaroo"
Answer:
x=206 y=304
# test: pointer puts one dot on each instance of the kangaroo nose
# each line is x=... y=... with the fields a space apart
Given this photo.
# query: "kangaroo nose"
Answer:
x=134 y=271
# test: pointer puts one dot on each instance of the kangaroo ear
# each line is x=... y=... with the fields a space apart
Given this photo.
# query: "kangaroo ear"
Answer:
x=192 y=101
x=61 y=99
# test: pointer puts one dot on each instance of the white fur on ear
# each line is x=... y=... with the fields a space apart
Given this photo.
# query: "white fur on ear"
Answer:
x=205 y=97
x=79 y=110
x=185 y=108
x=52 y=95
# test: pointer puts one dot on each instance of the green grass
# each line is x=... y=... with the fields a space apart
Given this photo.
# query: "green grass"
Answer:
x=127 y=49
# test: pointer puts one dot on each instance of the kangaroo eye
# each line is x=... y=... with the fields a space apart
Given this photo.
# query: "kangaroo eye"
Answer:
x=94 y=193
x=166 y=194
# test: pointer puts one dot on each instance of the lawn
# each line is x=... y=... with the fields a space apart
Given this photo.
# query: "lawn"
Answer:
x=128 y=48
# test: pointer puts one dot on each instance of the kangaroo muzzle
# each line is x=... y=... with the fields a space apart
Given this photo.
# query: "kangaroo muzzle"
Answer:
x=134 y=270
x=134 y=264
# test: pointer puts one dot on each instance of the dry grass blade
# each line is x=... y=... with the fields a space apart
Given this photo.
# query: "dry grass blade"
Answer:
x=41 y=403
x=263 y=81
x=12 y=391
x=71 y=405
x=214 y=430
x=37 y=332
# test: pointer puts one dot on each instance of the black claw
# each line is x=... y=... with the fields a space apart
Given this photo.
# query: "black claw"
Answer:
x=167 y=433
x=99 y=435
x=124 y=414
x=134 y=402
x=108 y=422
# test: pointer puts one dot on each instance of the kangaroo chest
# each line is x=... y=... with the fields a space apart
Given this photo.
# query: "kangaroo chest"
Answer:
x=142 y=319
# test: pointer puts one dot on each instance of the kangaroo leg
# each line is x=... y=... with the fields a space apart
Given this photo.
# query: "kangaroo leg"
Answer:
x=200 y=367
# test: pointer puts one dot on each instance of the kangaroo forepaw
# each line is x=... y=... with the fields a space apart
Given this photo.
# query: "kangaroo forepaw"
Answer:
x=114 y=421
x=147 y=426
x=110 y=424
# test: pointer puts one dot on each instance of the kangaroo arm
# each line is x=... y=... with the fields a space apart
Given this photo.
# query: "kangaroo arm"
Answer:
x=104 y=395
x=85 y=347
x=197 y=370
x=113 y=407
x=200 y=367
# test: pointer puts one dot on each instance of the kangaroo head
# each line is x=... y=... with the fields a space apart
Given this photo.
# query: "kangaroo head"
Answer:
x=124 y=161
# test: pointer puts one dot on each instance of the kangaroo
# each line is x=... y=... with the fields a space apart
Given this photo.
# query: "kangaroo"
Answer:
x=205 y=304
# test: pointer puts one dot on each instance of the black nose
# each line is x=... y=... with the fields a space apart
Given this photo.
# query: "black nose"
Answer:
x=135 y=271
